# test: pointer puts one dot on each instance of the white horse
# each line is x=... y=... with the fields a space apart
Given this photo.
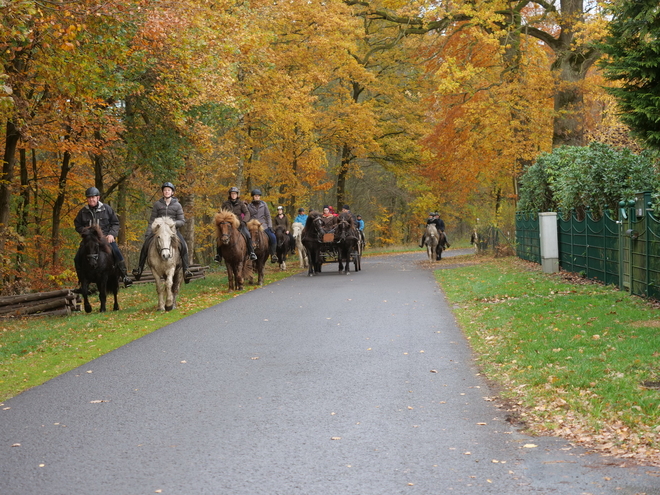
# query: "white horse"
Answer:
x=431 y=240
x=165 y=261
x=297 y=229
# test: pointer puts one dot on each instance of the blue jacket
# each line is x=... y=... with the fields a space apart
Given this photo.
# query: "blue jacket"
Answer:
x=302 y=218
x=360 y=224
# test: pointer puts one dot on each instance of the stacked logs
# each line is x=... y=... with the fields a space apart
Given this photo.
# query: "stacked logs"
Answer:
x=147 y=277
x=54 y=303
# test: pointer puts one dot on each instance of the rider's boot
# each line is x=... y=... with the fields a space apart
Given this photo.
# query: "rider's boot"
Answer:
x=218 y=255
x=137 y=272
x=122 y=270
x=421 y=243
x=187 y=274
x=253 y=255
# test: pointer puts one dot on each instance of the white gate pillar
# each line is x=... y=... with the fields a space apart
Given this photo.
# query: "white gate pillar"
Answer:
x=549 y=242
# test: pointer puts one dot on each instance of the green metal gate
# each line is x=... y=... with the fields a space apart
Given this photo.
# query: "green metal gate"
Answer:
x=528 y=243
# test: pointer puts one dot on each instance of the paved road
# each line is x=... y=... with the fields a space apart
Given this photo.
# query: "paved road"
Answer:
x=310 y=386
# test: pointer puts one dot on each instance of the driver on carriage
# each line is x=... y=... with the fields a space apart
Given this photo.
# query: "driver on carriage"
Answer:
x=167 y=206
x=259 y=210
x=238 y=208
x=97 y=213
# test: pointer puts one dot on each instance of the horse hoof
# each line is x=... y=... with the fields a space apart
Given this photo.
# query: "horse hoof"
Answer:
x=169 y=308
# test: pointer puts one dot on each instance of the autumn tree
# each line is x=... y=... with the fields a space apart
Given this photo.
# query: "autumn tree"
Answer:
x=633 y=49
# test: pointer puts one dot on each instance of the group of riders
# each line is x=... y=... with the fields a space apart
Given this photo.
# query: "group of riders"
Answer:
x=102 y=215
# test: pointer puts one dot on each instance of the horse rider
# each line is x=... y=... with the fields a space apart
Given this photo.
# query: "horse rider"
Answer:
x=259 y=211
x=430 y=219
x=167 y=206
x=97 y=213
x=440 y=224
x=347 y=209
x=302 y=216
x=238 y=208
x=360 y=223
x=281 y=219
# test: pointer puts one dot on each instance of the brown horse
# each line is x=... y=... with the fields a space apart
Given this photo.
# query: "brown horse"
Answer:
x=260 y=245
x=233 y=248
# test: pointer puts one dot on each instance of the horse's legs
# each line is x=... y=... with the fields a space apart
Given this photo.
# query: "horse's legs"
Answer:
x=169 y=302
x=102 y=284
x=160 y=289
x=84 y=288
x=238 y=275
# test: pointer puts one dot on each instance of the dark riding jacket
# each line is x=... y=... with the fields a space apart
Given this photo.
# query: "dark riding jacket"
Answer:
x=103 y=216
x=238 y=208
x=284 y=220
x=439 y=224
x=161 y=209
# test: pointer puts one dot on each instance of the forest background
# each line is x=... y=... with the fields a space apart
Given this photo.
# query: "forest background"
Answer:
x=396 y=108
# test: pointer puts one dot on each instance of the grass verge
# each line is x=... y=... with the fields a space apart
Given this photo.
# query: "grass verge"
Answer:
x=34 y=350
x=577 y=359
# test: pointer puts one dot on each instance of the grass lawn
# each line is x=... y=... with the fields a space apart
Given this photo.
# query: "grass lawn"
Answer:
x=34 y=350
x=577 y=359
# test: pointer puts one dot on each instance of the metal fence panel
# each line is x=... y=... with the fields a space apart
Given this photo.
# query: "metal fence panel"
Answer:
x=528 y=243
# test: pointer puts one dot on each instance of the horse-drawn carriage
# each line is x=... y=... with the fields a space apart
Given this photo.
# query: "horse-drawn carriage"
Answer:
x=332 y=240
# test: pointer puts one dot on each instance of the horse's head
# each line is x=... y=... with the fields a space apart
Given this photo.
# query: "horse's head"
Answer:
x=296 y=229
x=344 y=226
x=93 y=242
x=225 y=221
x=280 y=235
x=164 y=230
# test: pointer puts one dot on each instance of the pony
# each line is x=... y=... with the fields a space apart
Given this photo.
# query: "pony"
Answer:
x=164 y=259
x=311 y=238
x=431 y=240
x=233 y=248
x=260 y=245
x=95 y=264
x=297 y=229
x=347 y=239
x=284 y=245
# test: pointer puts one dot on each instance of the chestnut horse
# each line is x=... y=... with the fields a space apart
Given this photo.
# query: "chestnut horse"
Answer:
x=260 y=245
x=95 y=264
x=164 y=258
x=233 y=248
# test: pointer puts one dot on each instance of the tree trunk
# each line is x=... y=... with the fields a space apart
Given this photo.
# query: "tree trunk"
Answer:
x=23 y=210
x=59 y=203
x=346 y=158
x=12 y=137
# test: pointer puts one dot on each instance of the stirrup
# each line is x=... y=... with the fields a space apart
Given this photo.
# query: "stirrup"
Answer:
x=217 y=258
x=137 y=273
x=127 y=282
x=187 y=276
x=273 y=258
x=253 y=256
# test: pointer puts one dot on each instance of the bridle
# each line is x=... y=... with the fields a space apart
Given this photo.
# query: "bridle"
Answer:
x=226 y=237
x=162 y=249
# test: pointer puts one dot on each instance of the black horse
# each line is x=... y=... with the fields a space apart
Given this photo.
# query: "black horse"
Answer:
x=347 y=238
x=311 y=237
x=285 y=245
x=95 y=264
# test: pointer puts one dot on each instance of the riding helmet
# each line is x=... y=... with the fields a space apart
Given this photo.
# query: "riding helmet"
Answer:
x=92 y=191
x=168 y=184
x=256 y=192
x=234 y=189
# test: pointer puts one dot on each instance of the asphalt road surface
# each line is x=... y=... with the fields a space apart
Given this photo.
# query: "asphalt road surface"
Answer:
x=358 y=384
